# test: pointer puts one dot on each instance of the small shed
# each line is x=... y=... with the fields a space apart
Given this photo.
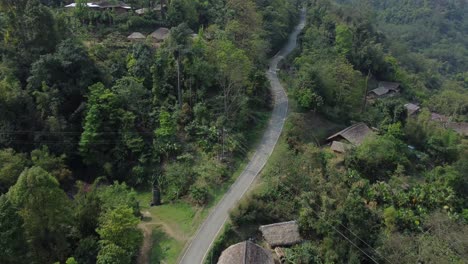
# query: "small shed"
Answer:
x=281 y=234
x=459 y=127
x=136 y=36
x=412 y=108
x=245 y=253
x=354 y=134
x=160 y=34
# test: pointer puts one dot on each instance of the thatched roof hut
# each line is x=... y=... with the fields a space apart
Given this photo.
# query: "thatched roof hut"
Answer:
x=390 y=86
x=245 y=253
x=136 y=36
x=281 y=234
x=461 y=127
x=439 y=118
x=160 y=34
x=354 y=134
x=412 y=108
x=385 y=88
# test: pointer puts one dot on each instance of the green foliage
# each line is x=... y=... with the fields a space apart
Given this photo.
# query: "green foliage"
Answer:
x=378 y=158
x=12 y=164
x=344 y=39
x=118 y=230
x=38 y=196
x=113 y=254
x=12 y=239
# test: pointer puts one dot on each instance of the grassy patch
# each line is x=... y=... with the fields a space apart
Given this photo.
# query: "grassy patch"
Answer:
x=165 y=249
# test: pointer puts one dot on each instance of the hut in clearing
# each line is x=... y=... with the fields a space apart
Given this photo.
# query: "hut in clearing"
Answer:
x=281 y=234
x=245 y=253
x=160 y=34
x=136 y=36
x=354 y=134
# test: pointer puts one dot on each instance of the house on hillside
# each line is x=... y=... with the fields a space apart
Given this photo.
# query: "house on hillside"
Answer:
x=460 y=127
x=118 y=7
x=146 y=10
x=412 y=108
x=384 y=89
x=350 y=136
x=160 y=34
x=136 y=36
x=283 y=234
x=439 y=118
x=245 y=253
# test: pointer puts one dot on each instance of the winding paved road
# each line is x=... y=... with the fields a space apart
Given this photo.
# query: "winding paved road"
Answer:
x=200 y=245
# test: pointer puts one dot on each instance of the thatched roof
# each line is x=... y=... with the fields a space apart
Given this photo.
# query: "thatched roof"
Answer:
x=391 y=86
x=412 y=108
x=339 y=147
x=439 y=118
x=385 y=88
x=461 y=128
x=281 y=234
x=245 y=253
x=380 y=91
x=354 y=134
x=104 y=4
x=160 y=34
x=136 y=35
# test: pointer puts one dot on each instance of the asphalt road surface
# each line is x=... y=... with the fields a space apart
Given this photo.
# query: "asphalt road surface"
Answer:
x=201 y=243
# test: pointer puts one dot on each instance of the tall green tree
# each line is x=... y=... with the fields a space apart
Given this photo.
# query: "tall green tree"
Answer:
x=46 y=213
x=12 y=238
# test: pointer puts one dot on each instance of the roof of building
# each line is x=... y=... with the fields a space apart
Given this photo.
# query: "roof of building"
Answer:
x=245 y=253
x=412 y=108
x=380 y=91
x=439 y=118
x=281 y=234
x=460 y=127
x=136 y=35
x=160 y=33
x=392 y=86
x=339 y=147
x=103 y=4
x=355 y=134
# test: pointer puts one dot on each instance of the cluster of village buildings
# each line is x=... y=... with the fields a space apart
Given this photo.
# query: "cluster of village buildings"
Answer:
x=357 y=133
x=118 y=7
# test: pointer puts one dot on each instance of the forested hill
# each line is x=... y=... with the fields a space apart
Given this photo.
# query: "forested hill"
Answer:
x=370 y=173
x=97 y=98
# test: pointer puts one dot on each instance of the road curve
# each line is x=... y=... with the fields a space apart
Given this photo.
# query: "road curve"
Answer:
x=201 y=243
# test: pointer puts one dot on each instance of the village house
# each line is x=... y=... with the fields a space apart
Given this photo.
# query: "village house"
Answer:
x=412 y=108
x=384 y=89
x=283 y=234
x=245 y=252
x=146 y=10
x=160 y=34
x=348 y=137
x=118 y=7
x=459 y=127
x=136 y=36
